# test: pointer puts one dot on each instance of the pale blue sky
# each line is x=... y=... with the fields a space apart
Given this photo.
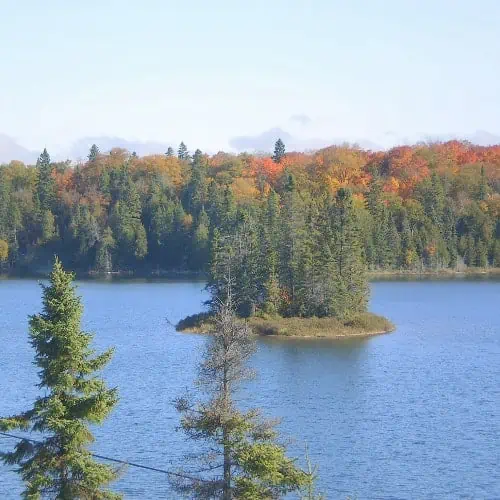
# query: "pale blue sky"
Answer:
x=207 y=71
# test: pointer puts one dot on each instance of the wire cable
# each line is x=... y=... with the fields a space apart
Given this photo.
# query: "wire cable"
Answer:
x=118 y=461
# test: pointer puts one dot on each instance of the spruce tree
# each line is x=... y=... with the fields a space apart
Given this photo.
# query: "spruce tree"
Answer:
x=279 y=151
x=170 y=151
x=196 y=190
x=93 y=153
x=200 y=251
x=293 y=234
x=182 y=152
x=61 y=465
x=350 y=281
x=45 y=182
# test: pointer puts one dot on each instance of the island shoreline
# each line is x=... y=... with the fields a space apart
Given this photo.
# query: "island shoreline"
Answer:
x=364 y=325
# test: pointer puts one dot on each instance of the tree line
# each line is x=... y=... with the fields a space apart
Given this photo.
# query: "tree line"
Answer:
x=428 y=206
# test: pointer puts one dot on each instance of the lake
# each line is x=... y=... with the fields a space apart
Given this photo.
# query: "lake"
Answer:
x=410 y=415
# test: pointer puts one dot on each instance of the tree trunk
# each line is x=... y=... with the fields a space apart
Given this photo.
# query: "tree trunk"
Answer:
x=226 y=494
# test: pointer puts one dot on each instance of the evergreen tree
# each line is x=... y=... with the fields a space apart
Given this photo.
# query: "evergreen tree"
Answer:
x=481 y=254
x=196 y=190
x=238 y=449
x=408 y=255
x=496 y=253
x=104 y=258
x=201 y=242
x=93 y=153
x=270 y=248
x=183 y=153
x=45 y=182
x=127 y=225
x=350 y=282
x=48 y=226
x=228 y=212
x=293 y=234
x=170 y=151
x=61 y=465
x=279 y=151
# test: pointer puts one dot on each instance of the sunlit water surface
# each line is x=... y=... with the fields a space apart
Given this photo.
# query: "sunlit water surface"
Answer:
x=414 y=414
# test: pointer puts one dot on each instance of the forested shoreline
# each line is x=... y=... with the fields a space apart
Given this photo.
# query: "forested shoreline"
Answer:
x=427 y=207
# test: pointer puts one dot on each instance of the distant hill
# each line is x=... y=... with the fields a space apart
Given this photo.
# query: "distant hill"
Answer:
x=11 y=150
x=80 y=149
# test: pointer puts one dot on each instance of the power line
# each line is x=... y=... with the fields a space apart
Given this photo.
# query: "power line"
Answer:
x=116 y=460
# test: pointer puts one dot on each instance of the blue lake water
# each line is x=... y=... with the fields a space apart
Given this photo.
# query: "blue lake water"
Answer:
x=410 y=415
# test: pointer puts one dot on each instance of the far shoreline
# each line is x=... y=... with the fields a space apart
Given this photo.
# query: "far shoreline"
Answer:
x=186 y=275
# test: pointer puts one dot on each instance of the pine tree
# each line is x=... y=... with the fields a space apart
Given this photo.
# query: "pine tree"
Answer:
x=293 y=234
x=238 y=449
x=170 y=151
x=93 y=153
x=45 y=182
x=279 y=151
x=350 y=281
x=196 y=190
x=182 y=152
x=61 y=465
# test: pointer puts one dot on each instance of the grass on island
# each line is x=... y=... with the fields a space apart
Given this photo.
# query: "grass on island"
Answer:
x=362 y=325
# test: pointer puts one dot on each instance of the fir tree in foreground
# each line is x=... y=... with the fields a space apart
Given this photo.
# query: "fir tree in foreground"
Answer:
x=60 y=466
x=240 y=456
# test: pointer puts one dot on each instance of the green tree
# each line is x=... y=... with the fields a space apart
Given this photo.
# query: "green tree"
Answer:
x=496 y=253
x=239 y=450
x=279 y=151
x=483 y=186
x=45 y=182
x=201 y=247
x=196 y=189
x=127 y=226
x=350 y=281
x=93 y=153
x=48 y=226
x=293 y=235
x=104 y=256
x=170 y=151
x=182 y=152
x=61 y=465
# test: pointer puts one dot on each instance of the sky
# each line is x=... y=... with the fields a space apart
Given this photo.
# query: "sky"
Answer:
x=231 y=74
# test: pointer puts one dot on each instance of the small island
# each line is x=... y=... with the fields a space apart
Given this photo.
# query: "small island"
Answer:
x=364 y=325
x=289 y=283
